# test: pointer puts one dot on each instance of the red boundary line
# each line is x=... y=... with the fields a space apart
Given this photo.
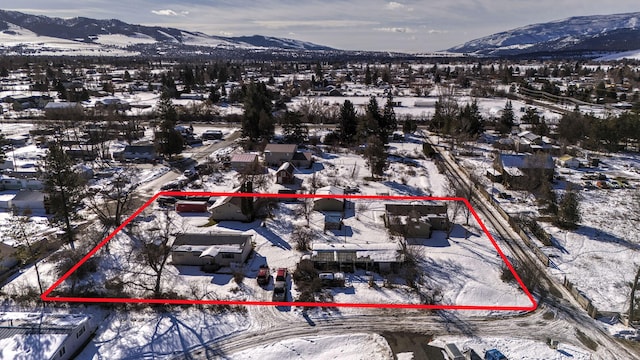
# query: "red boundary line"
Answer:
x=45 y=296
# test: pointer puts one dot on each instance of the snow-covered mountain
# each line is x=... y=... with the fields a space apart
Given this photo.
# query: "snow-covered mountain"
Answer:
x=578 y=35
x=20 y=32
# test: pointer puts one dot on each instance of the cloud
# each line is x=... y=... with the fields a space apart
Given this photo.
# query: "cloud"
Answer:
x=169 y=12
x=396 y=29
x=281 y=24
x=225 y=33
x=436 y=31
x=394 y=5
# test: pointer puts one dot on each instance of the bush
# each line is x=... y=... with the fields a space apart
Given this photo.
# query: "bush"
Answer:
x=238 y=277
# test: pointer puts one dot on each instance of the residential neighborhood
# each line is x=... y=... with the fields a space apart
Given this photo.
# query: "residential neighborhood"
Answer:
x=204 y=208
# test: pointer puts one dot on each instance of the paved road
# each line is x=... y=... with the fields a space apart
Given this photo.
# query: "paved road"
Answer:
x=198 y=154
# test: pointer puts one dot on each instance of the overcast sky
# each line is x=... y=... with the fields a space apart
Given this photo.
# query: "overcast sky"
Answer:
x=402 y=25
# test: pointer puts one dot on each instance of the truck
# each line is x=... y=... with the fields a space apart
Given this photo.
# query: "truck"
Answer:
x=494 y=354
x=280 y=285
x=453 y=353
x=263 y=275
x=191 y=206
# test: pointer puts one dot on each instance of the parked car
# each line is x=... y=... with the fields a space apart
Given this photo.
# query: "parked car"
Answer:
x=174 y=185
x=263 y=275
x=494 y=354
x=212 y=135
x=190 y=174
x=280 y=285
x=166 y=200
x=280 y=291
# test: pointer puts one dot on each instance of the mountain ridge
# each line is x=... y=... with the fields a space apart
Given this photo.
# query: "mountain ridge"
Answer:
x=576 y=35
x=90 y=31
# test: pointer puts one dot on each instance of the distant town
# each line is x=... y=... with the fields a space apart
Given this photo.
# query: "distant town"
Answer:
x=346 y=189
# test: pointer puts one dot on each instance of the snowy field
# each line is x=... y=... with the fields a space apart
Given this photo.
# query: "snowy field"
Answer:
x=515 y=349
x=354 y=346
x=602 y=256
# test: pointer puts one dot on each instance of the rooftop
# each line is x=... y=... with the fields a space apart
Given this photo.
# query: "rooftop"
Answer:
x=281 y=148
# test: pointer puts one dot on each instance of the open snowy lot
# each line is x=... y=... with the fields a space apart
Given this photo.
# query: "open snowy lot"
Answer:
x=355 y=346
x=602 y=256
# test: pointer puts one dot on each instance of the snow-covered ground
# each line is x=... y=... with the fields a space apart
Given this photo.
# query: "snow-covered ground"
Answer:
x=515 y=348
x=149 y=334
x=355 y=346
x=602 y=256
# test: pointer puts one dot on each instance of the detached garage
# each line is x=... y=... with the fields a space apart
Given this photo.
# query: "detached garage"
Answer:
x=24 y=199
x=33 y=200
x=329 y=203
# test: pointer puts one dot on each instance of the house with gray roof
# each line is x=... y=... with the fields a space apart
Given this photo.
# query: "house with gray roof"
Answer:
x=524 y=171
x=45 y=336
x=220 y=249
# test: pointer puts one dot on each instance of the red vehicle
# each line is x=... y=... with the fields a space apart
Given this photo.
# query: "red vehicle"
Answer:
x=281 y=274
x=263 y=275
x=280 y=285
x=191 y=206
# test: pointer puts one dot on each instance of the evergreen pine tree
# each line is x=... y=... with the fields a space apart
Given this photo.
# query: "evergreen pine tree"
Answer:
x=64 y=187
x=569 y=210
x=168 y=140
x=293 y=130
x=257 y=121
x=507 y=119
x=388 y=122
x=376 y=156
x=348 y=123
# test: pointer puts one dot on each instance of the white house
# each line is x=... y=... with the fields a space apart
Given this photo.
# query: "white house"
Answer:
x=22 y=200
x=7 y=257
x=43 y=336
x=569 y=161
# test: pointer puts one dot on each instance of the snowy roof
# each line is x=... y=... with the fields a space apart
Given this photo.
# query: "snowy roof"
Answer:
x=61 y=105
x=20 y=331
x=286 y=167
x=281 y=148
x=330 y=190
x=382 y=252
x=214 y=250
x=521 y=161
x=244 y=158
x=529 y=136
x=29 y=196
x=225 y=199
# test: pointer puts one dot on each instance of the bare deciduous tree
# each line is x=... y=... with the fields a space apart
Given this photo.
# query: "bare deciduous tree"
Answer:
x=154 y=250
x=23 y=234
x=115 y=203
x=302 y=236
x=633 y=305
x=305 y=209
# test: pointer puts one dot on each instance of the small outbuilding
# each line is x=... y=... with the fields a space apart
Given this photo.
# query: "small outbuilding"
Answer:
x=229 y=208
x=569 y=161
x=245 y=162
x=284 y=174
x=329 y=202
